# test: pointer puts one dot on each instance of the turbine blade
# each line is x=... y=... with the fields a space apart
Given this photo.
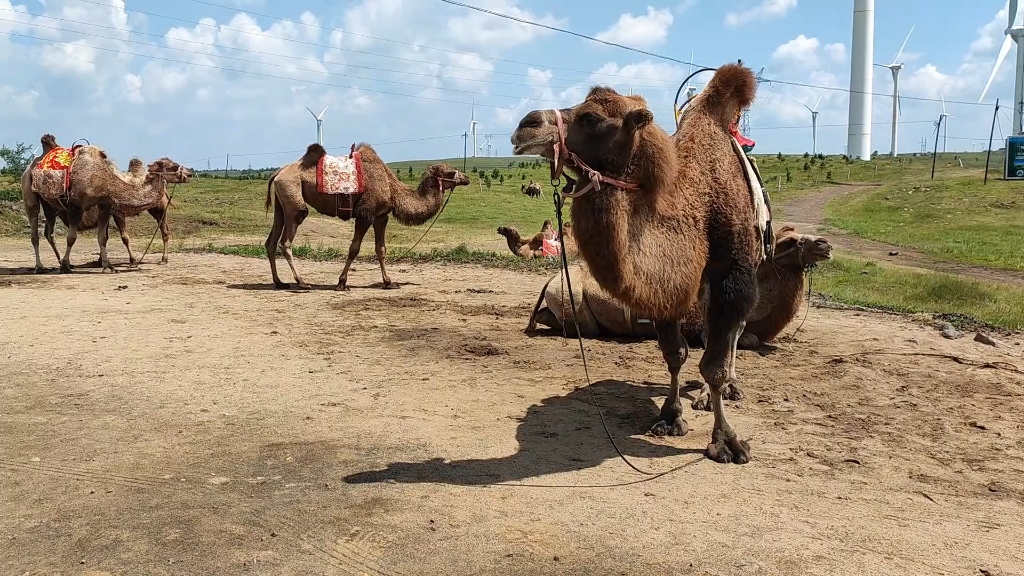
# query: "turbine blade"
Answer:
x=818 y=102
x=899 y=105
x=1003 y=51
x=324 y=110
x=1011 y=16
x=943 y=100
x=311 y=112
x=898 y=54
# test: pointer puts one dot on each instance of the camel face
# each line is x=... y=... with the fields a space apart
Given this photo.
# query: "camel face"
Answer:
x=537 y=133
x=448 y=175
x=795 y=249
x=170 y=171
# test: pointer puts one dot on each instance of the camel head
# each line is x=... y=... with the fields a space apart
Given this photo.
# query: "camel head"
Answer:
x=448 y=177
x=167 y=169
x=800 y=250
x=605 y=120
x=49 y=142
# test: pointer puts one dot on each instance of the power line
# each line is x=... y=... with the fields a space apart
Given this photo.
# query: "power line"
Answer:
x=671 y=59
x=374 y=144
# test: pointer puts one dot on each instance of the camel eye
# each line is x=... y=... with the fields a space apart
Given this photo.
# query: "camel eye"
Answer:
x=588 y=118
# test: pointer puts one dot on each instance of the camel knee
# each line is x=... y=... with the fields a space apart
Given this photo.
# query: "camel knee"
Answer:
x=748 y=341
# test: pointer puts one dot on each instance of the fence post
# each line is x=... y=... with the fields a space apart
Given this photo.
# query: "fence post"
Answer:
x=991 y=134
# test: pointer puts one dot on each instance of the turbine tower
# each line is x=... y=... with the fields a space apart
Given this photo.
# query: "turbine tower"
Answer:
x=814 y=125
x=945 y=125
x=319 y=124
x=1014 y=34
x=472 y=127
x=859 y=134
x=895 y=68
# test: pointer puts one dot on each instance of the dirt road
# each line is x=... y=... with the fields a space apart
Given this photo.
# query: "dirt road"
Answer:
x=808 y=213
x=186 y=419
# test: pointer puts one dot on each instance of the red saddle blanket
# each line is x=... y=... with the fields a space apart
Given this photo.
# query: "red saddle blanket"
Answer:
x=340 y=174
x=51 y=176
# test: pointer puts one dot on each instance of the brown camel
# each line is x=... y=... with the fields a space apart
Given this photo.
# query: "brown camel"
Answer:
x=532 y=190
x=293 y=188
x=780 y=283
x=95 y=182
x=664 y=221
x=90 y=218
x=534 y=247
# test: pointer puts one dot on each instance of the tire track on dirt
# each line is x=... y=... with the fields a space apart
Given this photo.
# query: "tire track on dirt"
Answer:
x=809 y=212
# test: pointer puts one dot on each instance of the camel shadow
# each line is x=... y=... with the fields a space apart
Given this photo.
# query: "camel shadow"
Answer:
x=293 y=288
x=557 y=333
x=561 y=434
x=92 y=268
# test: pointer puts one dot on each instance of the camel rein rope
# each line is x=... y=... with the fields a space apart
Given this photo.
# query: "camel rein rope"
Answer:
x=564 y=157
x=440 y=185
x=559 y=202
x=160 y=223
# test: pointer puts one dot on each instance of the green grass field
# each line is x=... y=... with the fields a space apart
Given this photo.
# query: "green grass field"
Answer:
x=956 y=219
x=952 y=217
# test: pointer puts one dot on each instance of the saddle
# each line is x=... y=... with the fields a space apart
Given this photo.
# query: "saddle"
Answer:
x=51 y=178
x=341 y=177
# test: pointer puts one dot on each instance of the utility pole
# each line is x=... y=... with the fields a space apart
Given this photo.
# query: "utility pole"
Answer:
x=991 y=134
x=227 y=162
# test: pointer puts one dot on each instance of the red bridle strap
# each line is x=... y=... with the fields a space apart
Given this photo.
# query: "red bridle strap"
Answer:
x=563 y=157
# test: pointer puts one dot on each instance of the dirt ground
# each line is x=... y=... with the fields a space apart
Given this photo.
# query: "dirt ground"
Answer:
x=187 y=419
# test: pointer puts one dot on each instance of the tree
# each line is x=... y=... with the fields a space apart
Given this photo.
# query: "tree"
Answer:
x=15 y=159
x=807 y=166
x=501 y=179
x=410 y=172
x=495 y=173
x=780 y=157
x=789 y=175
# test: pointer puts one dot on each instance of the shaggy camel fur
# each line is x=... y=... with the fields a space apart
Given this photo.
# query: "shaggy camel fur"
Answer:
x=96 y=183
x=663 y=221
x=533 y=247
x=293 y=188
x=532 y=190
x=780 y=282
x=136 y=174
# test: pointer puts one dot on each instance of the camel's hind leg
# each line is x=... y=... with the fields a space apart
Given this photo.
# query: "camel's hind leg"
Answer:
x=731 y=297
x=380 y=225
x=102 y=235
x=74 y=219
x=51 y=223
x=271 y=244
x=674 y=350
x=33 y=223
x=291 y=227
x=362 y=226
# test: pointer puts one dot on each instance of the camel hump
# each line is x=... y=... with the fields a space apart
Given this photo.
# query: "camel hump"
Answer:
x=731 y=89
x=313 y=155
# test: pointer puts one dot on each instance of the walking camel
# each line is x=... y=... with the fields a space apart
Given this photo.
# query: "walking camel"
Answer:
x=90 y=218
x=532 y=190
x=664 y=221
x=360 y=186
x=85 y=179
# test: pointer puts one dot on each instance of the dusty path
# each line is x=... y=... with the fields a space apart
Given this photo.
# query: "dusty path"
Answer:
x=809 y=212
x=186 y=419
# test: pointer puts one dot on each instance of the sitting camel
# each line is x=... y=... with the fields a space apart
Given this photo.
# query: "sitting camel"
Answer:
x=534 y=247
x=85 y=179
x=533 y=190
x=779 y=281
x=664 y=221
x=359 y=186
x=90 y=218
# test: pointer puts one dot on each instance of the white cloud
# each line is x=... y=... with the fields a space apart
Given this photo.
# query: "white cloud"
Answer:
x=836 y=52
x=767 y=9
x=641 y=31
x=800 y=51
x=685 y=6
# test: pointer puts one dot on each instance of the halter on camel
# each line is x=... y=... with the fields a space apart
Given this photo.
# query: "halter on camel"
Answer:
x=564 y=157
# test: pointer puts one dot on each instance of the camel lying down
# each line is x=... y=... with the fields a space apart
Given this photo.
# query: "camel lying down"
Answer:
x=534 y=247
x=780 y=282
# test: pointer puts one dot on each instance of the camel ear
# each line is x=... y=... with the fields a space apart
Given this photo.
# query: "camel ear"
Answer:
x=638 y=119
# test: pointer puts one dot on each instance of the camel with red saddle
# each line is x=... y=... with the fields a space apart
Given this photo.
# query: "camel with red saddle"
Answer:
x=357 y=186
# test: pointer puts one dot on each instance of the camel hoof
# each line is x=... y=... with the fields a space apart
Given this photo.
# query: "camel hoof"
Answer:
x=303 y=286
x=725 y=450
x=342 y=288
x=702 y=402
x=678 y=427
x=391 y=286
x=65 y=269
x=40 y=270
x=108 y=270
x=280 y=285
x=162 y=261
x=732 y=391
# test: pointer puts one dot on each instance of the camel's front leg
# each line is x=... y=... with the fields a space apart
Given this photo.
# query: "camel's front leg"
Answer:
x=74 y=219
x=732 y=296
x=362 y=226
x=102 y=235
x=380 y=224
x=160 y=215
x=291 y=226
x=33 y=223
x=674 y=350
x=122 y=228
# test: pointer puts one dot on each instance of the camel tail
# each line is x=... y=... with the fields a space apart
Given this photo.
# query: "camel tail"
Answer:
x=536 y=307
x=270 y=190
x=732 y=89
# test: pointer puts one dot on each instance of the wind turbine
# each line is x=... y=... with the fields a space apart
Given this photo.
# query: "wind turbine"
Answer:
x=814 y=125
x=895 y=68
x=944 y=116
x=319 y=124
x=472 y=127
x=1013 y=34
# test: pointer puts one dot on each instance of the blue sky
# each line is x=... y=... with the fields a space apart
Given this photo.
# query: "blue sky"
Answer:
x=196 y=80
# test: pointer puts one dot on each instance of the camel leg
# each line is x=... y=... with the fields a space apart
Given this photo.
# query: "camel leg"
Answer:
x=748 y=342
x=122 y=229
x=731 y=298
x=362 y=226
x=271 y=244
x=33 y=223
x=674 y=350
x=51 y=223
x=291 y=227
x=380 y=224
x=102 y=235
x=74 y=219
x=160 y=215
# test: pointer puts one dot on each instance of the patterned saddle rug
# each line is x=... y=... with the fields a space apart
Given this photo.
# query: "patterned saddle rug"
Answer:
x=51 y=178
x=340 y=174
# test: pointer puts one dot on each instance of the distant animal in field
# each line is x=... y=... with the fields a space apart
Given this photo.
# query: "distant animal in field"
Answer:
x=533 y=189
